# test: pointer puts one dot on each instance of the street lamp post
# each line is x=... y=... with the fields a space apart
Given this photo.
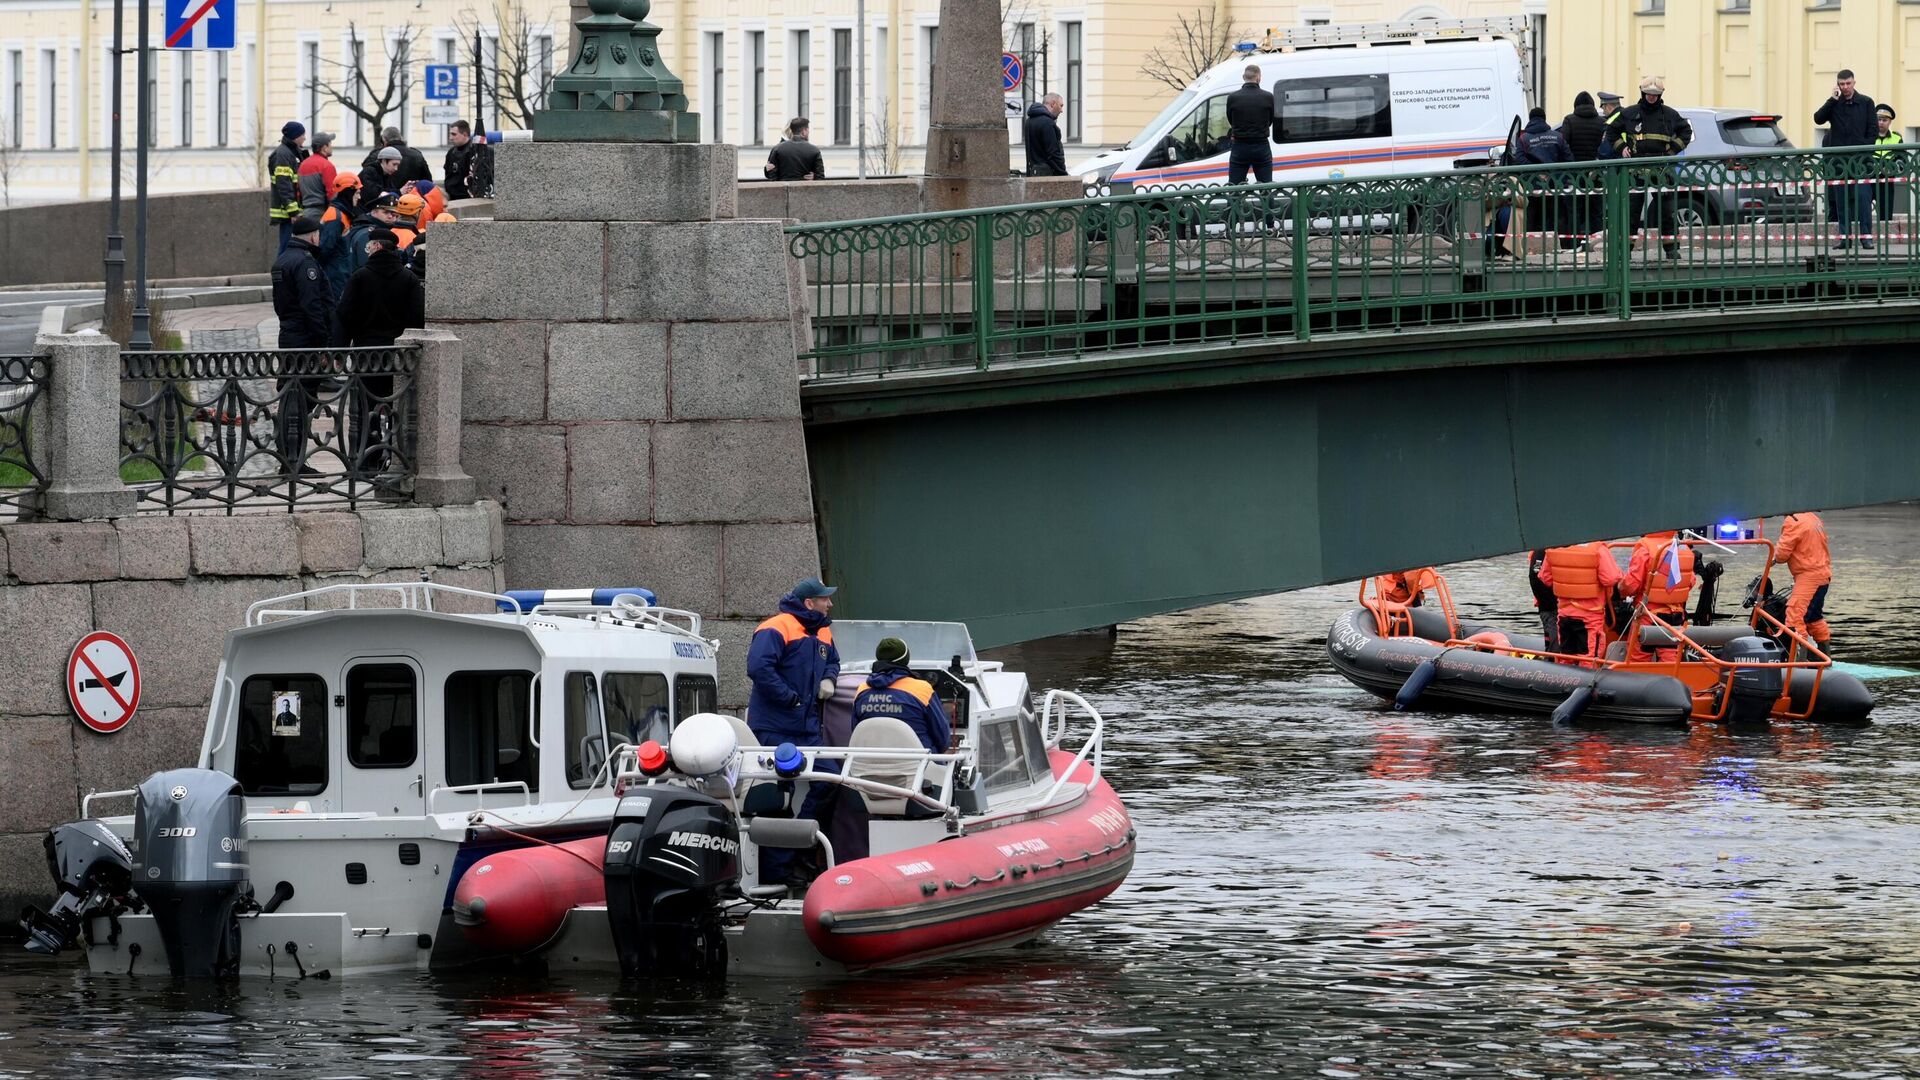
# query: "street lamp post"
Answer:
x=116 y=298
x=140 y=338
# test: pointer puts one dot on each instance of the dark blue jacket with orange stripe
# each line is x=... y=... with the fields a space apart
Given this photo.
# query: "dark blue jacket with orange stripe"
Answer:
x=896 y=692
x=790 y=654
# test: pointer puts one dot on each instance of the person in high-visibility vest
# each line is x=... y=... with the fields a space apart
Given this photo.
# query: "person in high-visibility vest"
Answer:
x=1582 y=578
x=1663 y=567
x=1803 y=548
x=283 y=189
x=1889 y=164
x=1405 y=586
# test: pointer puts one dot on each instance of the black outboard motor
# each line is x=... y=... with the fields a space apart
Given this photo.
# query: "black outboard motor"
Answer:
x=189 y=828
x=672 y=853
x=1754 y=690
x=94 y=873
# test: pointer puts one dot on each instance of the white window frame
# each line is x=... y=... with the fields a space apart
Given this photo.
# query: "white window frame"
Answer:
x=446 y=50
x=794 y=70
x=925 y=42
x=393 y=40
x=181 y=112
x=351 y=130
x=879 y=72
x=219 y=115
x=1074 y=130
x=77 y=90
x=753 y=100
x=713 y=79
x=543 y=46
x=312 y=101
x=47 y=86
x=834 y=28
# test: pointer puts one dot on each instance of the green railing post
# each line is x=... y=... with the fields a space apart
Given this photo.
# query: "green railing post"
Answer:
x=983 y=303
x=1301 y=206
x=1619 y=240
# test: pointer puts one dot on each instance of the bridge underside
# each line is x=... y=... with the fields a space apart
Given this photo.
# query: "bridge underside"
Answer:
x=1045 y=498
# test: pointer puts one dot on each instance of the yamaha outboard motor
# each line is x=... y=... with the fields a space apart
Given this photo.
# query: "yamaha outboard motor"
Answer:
x=672 y=853
x=189 y=828
x=1754 y=690
x=94 y=872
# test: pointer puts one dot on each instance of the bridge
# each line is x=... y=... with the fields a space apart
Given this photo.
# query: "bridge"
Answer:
x=1185 y=397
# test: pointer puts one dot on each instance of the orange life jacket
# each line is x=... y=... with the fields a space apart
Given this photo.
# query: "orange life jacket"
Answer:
x=1576 y=572
x=1661 y=597
x=407 y=236
x=792 y=629
x=333 y=214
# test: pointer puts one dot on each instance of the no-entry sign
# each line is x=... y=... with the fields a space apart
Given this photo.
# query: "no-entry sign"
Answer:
x=103 y=682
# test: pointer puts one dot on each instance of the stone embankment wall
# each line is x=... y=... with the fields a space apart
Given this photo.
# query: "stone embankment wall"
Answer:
x=208 y=234
x=172 y=587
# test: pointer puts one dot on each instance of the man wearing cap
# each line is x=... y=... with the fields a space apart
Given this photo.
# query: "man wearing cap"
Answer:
x=794 y=667
x=381 y=175
x=305 y=309
x=1887 y=163
x=1651 y=128
x=283 y=168
x=893 y=691
x=379 y=212
x=1609 y=109
x=316 y=174
x=336 y=224
x=1849 y=117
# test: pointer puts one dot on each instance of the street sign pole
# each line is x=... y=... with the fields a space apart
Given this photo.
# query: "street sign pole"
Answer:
x=116 y=298
x=140 y=339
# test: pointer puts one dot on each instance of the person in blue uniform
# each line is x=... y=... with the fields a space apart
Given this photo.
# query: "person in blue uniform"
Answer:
x=893 y=690
x=794 y=667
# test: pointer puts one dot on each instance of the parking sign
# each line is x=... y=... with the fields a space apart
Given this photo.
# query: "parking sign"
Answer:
x=443 y=82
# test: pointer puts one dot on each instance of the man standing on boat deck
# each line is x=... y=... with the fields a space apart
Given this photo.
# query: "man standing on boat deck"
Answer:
x=1582 y=578
x=1803 y=548
x=794 y=667
x=1663 y=567
x=894 y=690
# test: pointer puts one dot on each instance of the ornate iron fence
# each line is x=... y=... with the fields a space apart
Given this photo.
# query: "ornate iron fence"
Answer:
x=222 y=431
x=1294 y=261
x=23 y=379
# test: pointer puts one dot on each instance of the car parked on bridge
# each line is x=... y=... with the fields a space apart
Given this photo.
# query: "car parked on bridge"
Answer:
x=1730 y=190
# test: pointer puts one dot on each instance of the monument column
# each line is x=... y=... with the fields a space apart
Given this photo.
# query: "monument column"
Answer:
x=967 y=153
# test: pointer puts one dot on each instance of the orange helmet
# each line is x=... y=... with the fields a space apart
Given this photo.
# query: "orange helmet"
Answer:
x=344 y=180
x=410 y=205
x=444 y=216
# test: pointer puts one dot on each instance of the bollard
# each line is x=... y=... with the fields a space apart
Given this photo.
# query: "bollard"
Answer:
x=438 y=478
x=77 y=429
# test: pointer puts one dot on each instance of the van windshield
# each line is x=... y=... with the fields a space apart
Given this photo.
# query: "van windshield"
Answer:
x=1174 y=108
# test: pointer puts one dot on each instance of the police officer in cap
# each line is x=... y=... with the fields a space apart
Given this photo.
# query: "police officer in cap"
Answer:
x=304 y=306
x=893 y=690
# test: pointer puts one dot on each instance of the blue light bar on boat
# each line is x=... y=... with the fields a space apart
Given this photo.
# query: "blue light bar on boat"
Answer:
x=1728 y=529
x=532 y=598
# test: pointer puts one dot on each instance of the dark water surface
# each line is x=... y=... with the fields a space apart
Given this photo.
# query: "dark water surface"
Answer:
x=1324 y=888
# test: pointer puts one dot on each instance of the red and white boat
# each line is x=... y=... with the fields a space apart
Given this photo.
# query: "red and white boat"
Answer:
x=928 y=856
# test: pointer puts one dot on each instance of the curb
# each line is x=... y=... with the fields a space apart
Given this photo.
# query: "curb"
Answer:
x=66 y=318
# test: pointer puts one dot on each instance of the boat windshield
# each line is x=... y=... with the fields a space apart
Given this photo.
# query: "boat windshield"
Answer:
x=927 y=641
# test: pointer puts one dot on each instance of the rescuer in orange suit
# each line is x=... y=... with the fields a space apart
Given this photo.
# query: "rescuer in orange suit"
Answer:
x=1803 y=547
x=1405 y=586
x=1582 y=578
x=1649 y=568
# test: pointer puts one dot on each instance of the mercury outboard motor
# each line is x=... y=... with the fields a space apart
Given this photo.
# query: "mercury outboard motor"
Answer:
x=1754 y=690
x=672 y=853
x=189 y=828
x=94 y=873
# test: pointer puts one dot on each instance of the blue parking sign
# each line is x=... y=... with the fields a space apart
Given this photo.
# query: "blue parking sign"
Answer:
x=200 y=24
x=443 y=82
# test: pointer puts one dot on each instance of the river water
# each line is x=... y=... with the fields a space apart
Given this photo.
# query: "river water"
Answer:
x=1324 y=888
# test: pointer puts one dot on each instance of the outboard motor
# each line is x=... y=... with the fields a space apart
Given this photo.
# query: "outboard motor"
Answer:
x=1754 y=690
x=672 y=855
x=189 y=828
x=94 y=873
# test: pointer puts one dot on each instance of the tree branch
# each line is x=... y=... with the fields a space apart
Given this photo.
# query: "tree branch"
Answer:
x=1198 y=43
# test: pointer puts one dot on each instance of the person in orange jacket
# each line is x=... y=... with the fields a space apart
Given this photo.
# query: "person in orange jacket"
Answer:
x=1582 y=578
x=1803 y=548
x=1663 y=567
x=1405 y=586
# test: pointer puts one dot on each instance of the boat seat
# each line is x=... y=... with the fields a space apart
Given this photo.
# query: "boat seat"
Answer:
x=885 y=732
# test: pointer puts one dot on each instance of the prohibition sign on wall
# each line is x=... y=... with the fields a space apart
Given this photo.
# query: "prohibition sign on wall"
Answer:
x=103 y=682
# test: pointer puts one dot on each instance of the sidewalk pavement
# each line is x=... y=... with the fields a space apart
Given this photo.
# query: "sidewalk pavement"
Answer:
x=236 y=326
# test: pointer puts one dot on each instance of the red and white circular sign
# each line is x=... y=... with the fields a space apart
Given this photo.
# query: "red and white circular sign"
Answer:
x=103 y=682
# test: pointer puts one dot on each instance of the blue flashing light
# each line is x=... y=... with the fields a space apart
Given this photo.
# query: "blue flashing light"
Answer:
x=788 y=761
x=532 y=598
x=1728 y=530
x=1245 y=47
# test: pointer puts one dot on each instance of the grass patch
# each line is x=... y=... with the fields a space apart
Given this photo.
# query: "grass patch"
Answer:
x=131 y=472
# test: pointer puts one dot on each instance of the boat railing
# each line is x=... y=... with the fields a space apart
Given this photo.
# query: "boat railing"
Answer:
x=1394 y=618
x=411 y=596
x=650 y=617
x=1052 y=732
x=480 y=791
x=86 y=801
x=755 y=765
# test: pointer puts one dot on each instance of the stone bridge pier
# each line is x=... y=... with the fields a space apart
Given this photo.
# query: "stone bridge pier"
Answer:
x=631 y=391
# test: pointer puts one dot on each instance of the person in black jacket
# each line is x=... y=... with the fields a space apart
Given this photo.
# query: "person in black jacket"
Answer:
x=383 y=300
x=1651 y=128
x=283 y=167
x=1585 y=132
x=1250 y=121
x=380 y=177
x=1848 y=115
x=1046 y=154
x=460 y=151
x=413 y=163
x=304 y=306
x=793 y=157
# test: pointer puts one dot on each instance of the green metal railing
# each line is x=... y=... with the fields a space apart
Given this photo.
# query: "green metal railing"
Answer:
x=1174 y=269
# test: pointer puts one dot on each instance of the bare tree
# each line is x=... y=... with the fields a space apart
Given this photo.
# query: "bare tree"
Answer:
x=11 y=158
x=1196 y=44
x=883 y=142
x=524 y=57
x=350 y=86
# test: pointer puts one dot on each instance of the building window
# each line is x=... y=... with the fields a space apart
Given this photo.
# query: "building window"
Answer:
x=1076 y=74
x=399 y=48
x=880 y=79
x=49 y=91
x=77 y=71
x=449 y=51
x=493 y=84
x=252 y=128
x=183 y=95
x=802 y=96
x=757 y=87
x=356 y=66
x=1737 y=6
x=16 y=97
x=842 y=87
x=1023 y=48
x=717 y=85
x=1653 y=7
x=153 y=103
x=543 y=70
x=222 y=91
x=930 y=51
x=104 y=113
x=310 y=78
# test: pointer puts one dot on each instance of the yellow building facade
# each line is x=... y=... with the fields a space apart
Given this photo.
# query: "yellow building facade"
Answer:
x=750 y=65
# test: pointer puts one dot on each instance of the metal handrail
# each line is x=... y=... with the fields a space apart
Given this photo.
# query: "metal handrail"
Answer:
x=86 y=801
x=414 y=596
x=480 y=790
x=658 y=617
x=1094 y=744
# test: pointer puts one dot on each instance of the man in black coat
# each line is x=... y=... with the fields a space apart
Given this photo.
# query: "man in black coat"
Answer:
x=1849 y=117
x=794 y=157
x=304 y=306
x=413 y=163
x=381 y=176
x=460 y=150
x=1585 y=131
x=1046 y=153
x=1250 y=120
x=383 y=300
x=1652 y=128
x=283 y=188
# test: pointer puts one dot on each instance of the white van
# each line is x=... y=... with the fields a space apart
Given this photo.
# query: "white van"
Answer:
x=1366 y=106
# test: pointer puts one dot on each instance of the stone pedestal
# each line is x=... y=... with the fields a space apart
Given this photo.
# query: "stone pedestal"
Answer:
x=631 y=380
x=967 y=151
x=77 y=430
